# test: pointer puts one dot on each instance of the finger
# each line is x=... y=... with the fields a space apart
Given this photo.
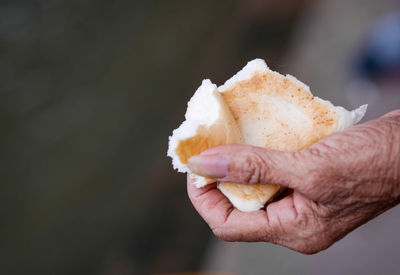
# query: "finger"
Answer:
x=227 y=222
x=211 y=204
x=249 y=165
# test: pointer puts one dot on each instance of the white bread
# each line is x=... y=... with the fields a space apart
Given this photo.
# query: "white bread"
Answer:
x=279 y=113
x=258 y=107
x=208 y=123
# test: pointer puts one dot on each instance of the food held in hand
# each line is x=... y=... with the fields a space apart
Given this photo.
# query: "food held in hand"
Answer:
x=258 y=107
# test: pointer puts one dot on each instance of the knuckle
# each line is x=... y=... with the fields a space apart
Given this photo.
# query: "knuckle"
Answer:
x=221 y=234
x=314 y=235
x=308 y=172
x=217 y=233
x=317 y=244
x=253 y=168
x=314 y=179
x=309 y=250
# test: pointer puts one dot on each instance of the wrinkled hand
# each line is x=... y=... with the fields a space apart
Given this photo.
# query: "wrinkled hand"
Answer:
x=336 y=185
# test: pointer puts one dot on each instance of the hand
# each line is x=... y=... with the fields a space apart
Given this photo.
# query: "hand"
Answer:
x=335 y=186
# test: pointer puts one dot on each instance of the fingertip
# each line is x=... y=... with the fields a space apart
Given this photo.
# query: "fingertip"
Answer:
x=210 y=166
x=213 y=150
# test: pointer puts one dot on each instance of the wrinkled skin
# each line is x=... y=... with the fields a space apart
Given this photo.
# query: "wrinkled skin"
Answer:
x=334 y=186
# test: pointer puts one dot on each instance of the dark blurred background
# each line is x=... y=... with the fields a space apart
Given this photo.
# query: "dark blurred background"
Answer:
x=90 y=91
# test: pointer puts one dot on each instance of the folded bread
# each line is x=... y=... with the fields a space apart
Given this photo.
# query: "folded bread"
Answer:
x=259 y=107
x=208 y=123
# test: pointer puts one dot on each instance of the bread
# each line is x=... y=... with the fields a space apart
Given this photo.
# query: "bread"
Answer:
x=208 y=123
x=258 y=107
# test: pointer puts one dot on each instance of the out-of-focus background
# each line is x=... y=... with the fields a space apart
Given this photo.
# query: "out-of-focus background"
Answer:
x=90 y=91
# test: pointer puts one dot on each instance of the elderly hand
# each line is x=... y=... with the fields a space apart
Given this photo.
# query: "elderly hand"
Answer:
x=335 y=186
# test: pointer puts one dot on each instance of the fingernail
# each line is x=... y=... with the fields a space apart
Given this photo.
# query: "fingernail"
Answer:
x=209 y=152
x=212 y=166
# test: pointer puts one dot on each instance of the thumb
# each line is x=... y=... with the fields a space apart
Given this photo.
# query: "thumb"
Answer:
x=250 y=165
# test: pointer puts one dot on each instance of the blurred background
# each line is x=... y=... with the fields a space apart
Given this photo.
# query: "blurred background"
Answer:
x=91 y=89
